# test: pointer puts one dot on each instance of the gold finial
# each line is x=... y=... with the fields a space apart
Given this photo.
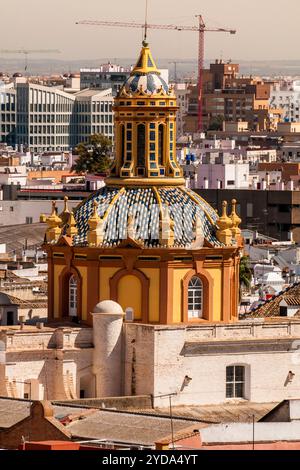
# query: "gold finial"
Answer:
x=66 y=208
x=224 y=233
x=95 y=211
x=96 y=227
x=64 y=215
x=72 y=227
x=53 y=213
x=236 y=221
x=53 y=231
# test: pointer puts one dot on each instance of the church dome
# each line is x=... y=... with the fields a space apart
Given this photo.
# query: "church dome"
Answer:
x=137 y=212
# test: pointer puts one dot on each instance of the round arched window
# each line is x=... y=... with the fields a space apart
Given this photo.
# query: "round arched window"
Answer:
x=73 y=296
x=195 y=298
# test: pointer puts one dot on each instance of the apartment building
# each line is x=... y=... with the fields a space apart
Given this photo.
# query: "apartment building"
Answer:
x=286 y=95
x=43 y=117
x=7 y=113
x=47 y=119
x=92 y=115
x=106 y=76
x=229 y=97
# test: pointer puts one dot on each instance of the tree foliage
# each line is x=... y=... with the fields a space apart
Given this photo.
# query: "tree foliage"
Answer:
x=216 y=124
x=94 y=155
x=245 y=274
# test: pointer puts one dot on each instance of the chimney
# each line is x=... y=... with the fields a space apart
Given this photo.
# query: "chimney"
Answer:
x=205 y=183
x=263 y=184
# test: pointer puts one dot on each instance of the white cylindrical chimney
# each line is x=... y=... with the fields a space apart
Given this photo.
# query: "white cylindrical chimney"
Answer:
x=263 y=184
x=206 y=183
x=218 y=184
x=108 y=319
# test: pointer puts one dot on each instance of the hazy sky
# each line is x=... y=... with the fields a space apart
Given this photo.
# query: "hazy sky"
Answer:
x=266 y=29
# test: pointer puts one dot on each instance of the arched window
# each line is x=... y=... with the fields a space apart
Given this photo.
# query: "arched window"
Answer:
x=73 y=296
x=195 y=298
x=160 y=143
x=141 y=142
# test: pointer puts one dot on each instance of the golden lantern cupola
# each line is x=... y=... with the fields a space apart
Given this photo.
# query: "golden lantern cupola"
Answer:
x=145 y=129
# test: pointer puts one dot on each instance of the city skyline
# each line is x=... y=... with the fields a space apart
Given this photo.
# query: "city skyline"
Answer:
x=87 y=42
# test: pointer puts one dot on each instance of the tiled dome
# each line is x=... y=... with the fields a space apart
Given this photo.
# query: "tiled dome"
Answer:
x=143 y=206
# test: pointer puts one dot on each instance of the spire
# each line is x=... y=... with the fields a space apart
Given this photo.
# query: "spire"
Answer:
x=224 y=234
x=145 y=63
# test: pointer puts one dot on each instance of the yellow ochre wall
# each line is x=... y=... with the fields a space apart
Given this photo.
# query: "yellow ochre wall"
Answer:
x=178 y=275
x=216 y=274
x=130 y=294
x=154 y=291
x=104 y=289
x=83 y=273
x=57 y=271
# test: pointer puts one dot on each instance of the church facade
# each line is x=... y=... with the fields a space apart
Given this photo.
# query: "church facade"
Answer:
x=144 y=240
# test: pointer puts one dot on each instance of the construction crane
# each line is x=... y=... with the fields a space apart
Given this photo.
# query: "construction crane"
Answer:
x=201 y=29
x=26 y=53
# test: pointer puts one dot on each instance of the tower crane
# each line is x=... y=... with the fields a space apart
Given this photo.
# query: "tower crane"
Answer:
x=28 y=52
x=201 y=29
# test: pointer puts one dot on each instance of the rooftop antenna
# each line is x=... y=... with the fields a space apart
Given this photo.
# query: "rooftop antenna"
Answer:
x=146 y=24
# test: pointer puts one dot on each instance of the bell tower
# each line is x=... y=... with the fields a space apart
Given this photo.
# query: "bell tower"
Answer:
x=145 y=129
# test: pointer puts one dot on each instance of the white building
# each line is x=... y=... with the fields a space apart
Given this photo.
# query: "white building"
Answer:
x=92 y=115
x=43 y=117
x=227 y=176
x=27 y=211
x=7 y=113
x=286 y=95
x=197 y=364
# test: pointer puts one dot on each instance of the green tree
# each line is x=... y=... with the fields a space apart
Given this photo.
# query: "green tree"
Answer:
x=216 y=123
x=245 y=274
x=94 y=155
